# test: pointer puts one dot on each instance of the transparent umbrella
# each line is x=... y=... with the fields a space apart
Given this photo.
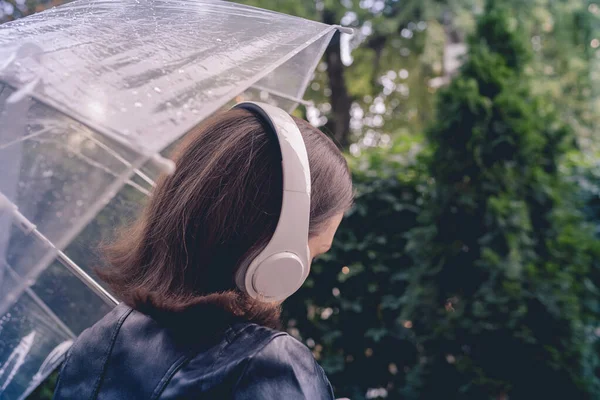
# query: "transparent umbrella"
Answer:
x=92 y=94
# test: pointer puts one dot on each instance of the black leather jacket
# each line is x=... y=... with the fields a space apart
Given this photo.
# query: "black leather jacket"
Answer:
x=128 y=355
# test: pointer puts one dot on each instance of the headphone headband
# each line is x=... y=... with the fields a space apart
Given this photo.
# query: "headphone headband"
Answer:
x=282 y=266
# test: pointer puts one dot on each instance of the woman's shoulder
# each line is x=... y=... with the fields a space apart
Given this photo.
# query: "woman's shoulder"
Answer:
x=281 y=367
x=266 y=343
x=252 y=362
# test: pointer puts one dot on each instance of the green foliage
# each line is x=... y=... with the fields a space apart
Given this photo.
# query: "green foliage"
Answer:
x=584 y=171
x=502 y=294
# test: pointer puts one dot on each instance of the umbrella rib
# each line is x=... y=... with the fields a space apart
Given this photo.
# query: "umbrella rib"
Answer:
x=64 y=260
x=41 y=303
x=283 y=95
x=98 y=165
x=26 y=137
x=120 y=158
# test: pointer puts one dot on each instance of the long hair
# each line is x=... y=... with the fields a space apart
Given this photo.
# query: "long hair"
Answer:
x=219 y=208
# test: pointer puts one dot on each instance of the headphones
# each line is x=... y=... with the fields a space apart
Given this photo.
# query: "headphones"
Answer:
x=282 y=266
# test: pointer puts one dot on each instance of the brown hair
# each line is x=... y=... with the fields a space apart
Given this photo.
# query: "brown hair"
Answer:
x=219 y=208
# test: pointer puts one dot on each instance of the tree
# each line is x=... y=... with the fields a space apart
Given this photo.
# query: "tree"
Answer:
x=502 y=297
x=381 y=92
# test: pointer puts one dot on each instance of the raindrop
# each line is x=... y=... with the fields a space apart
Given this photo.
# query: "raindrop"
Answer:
x=219 y=40
x=137 y=104
x=123 y=109
x=79 y=203
x=47 y=174
x=181 y=71
x=157 y=90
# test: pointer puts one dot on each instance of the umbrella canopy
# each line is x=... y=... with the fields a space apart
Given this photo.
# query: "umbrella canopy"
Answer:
x=91 y=95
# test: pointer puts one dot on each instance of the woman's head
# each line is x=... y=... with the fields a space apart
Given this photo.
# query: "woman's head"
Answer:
x=217 y=210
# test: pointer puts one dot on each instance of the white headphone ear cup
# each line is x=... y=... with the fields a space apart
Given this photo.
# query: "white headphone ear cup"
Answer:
x=276 y=278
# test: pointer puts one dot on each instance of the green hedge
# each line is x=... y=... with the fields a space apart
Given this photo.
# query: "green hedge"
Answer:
x=348 y=310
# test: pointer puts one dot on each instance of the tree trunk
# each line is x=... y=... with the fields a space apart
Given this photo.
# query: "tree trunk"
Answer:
x=339 y=120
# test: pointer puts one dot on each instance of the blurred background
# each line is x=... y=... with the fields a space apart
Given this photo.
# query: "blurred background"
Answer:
x=469 y=266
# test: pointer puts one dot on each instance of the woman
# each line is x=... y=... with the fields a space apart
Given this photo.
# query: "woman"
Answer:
x=185 y=329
